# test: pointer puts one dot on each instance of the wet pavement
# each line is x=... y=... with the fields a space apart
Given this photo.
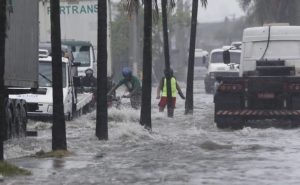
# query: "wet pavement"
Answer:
x=183 y=150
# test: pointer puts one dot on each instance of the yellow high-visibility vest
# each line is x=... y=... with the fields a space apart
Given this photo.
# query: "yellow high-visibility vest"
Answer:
x=173 y=87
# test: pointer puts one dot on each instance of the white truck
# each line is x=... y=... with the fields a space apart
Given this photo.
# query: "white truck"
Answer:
x=83 y=53
x=78 y=26
x=74 y=103
x=268 y=85
x=217 y=67
x=21 y=67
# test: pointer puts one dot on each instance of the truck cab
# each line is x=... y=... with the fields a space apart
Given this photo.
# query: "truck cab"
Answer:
x=73 y=101
x=217 y=67
x=83 y=52
x=44 y=100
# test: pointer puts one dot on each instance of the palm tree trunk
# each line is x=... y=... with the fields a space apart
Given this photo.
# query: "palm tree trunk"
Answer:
x=102 y=120
x=2 y=66
x=167 y=55
x=189 y=102
x=147 y=66
x=59 y=141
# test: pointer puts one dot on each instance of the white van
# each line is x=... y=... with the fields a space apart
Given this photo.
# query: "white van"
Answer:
x=216 y=67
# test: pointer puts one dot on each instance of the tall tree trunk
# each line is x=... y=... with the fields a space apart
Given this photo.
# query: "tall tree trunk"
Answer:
x=59 y=141
x=135 y=40
x=102 y=121
x=2 y=66
x=109 y=48
x=147 y=66
x=167 y=55
x=189 y=102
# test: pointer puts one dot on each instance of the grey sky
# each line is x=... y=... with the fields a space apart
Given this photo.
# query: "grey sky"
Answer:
x=217 y=10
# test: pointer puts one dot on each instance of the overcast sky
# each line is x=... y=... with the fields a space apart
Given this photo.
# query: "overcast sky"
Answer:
x=217 y=10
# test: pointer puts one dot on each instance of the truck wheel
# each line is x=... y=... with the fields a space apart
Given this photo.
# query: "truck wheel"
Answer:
x=17 y=121
x=8 y=121
x=23 y=123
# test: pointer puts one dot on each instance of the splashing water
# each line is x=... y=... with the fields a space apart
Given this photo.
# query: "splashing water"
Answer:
x=179 y=151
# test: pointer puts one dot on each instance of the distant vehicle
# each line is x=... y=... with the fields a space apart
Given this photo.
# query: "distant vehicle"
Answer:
x=83 y=54
x=21 y=67
x=201 y=58
x=217 y=68
x=268 y=85
x=201 y=63
x=74 y=103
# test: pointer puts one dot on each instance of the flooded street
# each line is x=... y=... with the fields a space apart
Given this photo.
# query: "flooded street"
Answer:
x=183 y=150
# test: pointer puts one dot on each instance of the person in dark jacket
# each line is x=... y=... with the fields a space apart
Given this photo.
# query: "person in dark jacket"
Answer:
x=89 y=80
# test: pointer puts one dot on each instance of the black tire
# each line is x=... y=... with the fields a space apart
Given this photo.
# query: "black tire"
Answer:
x=8 y=121
x=16 y=119
x=23 y=124
x=17 y=123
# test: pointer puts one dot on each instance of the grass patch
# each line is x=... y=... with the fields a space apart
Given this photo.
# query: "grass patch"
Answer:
x=7 y=169
x=55 y=154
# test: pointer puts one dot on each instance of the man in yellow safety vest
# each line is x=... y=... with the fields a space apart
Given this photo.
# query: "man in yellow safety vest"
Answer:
x=162 y=91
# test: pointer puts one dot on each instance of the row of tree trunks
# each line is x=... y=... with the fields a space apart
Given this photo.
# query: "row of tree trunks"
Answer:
x=59 y=141
x=2 y=66
x=147 y=66
x=101 y=114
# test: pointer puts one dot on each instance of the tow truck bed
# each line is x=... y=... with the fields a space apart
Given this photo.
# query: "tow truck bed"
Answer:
x=83 y=99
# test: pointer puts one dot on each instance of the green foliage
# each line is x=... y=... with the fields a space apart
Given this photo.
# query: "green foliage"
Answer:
x=7 y=169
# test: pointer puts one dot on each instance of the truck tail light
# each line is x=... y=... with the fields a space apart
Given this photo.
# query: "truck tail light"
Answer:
x=294 y=87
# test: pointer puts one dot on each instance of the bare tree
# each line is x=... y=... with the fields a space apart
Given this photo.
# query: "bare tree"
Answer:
x=102 y=117
x=189 y=103
x=2 y=66
x=147 y=66
x=59 y=141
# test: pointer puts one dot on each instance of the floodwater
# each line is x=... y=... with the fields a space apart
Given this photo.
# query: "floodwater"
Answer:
x=185 y=150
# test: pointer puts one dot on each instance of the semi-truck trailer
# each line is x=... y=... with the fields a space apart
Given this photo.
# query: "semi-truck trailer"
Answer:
x=268 y=86
x=21 y=57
